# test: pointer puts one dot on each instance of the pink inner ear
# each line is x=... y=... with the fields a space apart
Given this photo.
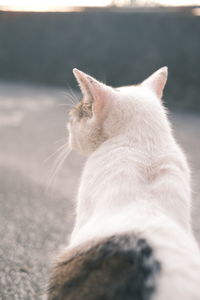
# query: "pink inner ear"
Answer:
x=98 y=99
x=157 y=81
x=159 y=86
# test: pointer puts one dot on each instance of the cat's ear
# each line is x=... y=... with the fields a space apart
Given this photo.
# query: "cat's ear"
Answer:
x=157 y=81
x=93 y=91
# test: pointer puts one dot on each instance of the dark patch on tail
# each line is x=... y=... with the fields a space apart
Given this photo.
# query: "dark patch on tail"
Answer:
x=121 y=267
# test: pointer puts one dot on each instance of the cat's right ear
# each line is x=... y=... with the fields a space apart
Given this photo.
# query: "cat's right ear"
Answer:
x=93 y=91
x=156 y=82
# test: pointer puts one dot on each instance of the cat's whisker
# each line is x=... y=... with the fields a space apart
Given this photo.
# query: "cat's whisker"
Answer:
x=70 y=102
x=56 y=170
x=61 y=140
x=69 y=98
x=70 y=93
x=54 y=153
x=73 y=94
x=65 y=104
x=56 y=166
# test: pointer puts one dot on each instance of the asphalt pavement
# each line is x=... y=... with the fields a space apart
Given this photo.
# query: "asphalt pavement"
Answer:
x=37 y=213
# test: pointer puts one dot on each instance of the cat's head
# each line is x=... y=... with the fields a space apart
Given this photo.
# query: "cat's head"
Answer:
x=106 y=112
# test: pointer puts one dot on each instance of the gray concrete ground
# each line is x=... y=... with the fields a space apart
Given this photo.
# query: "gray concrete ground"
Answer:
x=36 y=222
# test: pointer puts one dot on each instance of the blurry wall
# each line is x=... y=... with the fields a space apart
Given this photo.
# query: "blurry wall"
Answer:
x=116 y=47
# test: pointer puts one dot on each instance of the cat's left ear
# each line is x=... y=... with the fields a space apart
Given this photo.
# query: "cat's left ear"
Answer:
x=157 y=81
x=93 y=91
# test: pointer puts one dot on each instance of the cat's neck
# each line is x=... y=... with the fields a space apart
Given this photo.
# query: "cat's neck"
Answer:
x=139 y=143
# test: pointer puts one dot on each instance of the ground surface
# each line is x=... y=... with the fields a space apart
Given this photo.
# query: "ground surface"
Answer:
x=36 y=222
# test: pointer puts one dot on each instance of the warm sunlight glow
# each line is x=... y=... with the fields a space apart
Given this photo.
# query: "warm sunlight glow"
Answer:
x=49 y=5
x=69 y=5
x=178 y=2
x=196 y=11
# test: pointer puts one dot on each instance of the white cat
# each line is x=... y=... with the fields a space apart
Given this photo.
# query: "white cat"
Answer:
x=134 y=201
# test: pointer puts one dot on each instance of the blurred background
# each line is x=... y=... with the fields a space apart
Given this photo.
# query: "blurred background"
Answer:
x=118 y=42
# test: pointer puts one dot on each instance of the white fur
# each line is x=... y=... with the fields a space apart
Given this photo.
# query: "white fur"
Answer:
x=137 y=179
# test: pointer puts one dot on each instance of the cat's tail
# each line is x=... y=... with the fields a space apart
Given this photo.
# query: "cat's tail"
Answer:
x=122 y=267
